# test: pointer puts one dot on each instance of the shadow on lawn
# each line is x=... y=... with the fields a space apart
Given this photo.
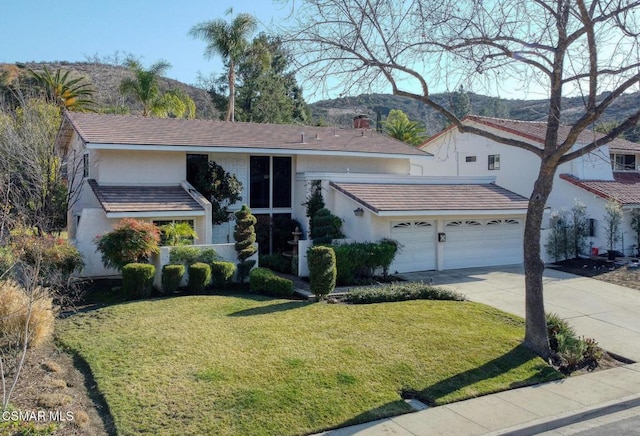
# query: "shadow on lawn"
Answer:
x=516 y=357
x=272 y=308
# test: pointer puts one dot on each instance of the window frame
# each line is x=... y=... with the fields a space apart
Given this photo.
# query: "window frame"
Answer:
x=271 y=177
x=493 y=162
x=624 y=166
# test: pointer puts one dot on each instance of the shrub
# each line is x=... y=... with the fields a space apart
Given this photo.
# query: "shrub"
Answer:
x=361 y=259
x=244 y=233
x=264 y=281
x=572 y=350
x=222 y=273
x=244 y=268
x=400 y=292
x=178 y=234
x=322 y=270
x=7 y=260
x=276 y=262
x=171 y=277
x=131 y=241
x=56 y=256
x=326 y=227
x=14 y=310
x=137 y=279
x=199 y=276
x=187 y=255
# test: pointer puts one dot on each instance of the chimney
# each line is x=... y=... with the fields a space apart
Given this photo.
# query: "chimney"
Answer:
x=361 y=122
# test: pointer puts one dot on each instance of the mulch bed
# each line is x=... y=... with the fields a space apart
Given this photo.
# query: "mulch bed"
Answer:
x=616 y=272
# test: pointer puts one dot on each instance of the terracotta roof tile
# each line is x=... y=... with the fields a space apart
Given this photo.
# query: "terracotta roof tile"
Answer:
x=115 y=199
x=625 y=189
x=131 y=130
x=381 y=197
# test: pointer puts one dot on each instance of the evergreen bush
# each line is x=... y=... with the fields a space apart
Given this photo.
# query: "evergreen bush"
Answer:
x=222 y=273
x=264 y=281
x=326 y=227
x=244 y=234
x=171 y=277
x=137 y=279
x=400 y=292
x=322 y=270
x=199 y=276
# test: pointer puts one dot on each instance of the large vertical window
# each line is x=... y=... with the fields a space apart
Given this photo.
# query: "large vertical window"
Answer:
x=270 y=182
x=196 y=163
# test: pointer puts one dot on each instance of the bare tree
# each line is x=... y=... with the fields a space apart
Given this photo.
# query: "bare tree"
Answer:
x=559 y=47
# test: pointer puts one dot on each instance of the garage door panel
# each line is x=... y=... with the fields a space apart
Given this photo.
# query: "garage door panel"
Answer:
x=483 y=243
x=418 y=241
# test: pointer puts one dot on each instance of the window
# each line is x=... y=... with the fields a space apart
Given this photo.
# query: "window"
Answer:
x=163 y=236
x=270 y=182
x=196 y=163
x=470 y=159
x=624 y=162
x=85 y=165
x=494 y=161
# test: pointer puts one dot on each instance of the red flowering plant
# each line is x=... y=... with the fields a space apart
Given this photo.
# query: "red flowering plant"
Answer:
x=130 y=241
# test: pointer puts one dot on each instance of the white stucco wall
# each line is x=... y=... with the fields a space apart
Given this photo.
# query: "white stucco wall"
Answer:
x=346 y=164
x=128 y=167
x=518 y=168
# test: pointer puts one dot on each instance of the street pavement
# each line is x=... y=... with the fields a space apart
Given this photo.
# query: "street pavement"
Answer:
x=575 y=405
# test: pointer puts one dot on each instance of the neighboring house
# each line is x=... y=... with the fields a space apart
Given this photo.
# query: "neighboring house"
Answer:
x=139 y=167
x=610 y=172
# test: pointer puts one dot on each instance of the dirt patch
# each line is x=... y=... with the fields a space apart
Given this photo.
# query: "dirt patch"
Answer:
x=60 y=393
x=619 y=272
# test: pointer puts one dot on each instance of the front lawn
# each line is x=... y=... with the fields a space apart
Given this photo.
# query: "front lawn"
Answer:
x=253 y=365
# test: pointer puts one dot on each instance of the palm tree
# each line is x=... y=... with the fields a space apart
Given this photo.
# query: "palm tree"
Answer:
x=229 y=40
x=144 y=85
x=70 y=94
x=398 y=126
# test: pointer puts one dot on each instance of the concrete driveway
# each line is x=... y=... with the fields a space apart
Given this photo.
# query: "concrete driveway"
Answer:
x=608 y=313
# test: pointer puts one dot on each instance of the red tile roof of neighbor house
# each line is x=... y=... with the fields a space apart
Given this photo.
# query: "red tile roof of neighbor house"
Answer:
x=625 y=189
x=132 y=130
x=384 y=197
x=114 y=199
x=536 y=131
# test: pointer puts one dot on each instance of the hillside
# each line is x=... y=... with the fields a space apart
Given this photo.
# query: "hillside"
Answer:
x=341 y=110
x=106 y=79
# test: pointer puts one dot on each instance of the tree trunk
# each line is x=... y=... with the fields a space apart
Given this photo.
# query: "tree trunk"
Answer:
x=536 y=337
x=231 y=107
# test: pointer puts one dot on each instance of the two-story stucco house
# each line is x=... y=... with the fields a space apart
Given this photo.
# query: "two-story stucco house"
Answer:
x=610 y=172
x=140 y=167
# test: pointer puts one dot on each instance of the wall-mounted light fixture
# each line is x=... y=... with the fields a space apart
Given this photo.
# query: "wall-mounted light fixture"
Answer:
x=442 y=237
x=358 y=212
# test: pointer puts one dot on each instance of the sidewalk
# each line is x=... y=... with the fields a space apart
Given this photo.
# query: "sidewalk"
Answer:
x=525 y=411
x=606 y=312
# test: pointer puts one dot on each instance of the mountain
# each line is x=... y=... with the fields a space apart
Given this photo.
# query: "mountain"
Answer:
x=340 y=111
x=106 y=80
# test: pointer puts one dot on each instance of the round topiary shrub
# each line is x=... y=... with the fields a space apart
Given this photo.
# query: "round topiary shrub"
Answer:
x=171 y=277
x=222 y=272
x=322 y=270
x=199 y=276
x=137 y=279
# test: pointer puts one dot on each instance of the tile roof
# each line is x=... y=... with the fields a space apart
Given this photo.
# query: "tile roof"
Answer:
x=130 y=130
x=384 y=197
x=536 y=131
x=625 y=189
x=118 y=199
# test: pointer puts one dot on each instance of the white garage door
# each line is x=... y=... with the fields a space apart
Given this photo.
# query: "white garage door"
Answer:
x=419 y=246
x=483 y=243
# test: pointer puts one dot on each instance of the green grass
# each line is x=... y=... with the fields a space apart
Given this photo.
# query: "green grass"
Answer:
x=252 y=365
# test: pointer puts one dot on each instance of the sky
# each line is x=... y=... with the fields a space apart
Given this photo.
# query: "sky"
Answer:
x=151 y=30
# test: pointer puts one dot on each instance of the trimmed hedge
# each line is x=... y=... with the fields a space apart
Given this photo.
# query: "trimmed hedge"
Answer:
x=171 y=277
x=360 y=259
x=222 y=273
x=264 y=281
x=322 y=270
x=400 y=292
x=199 y=276
x=137 y=279
x=276 y=262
